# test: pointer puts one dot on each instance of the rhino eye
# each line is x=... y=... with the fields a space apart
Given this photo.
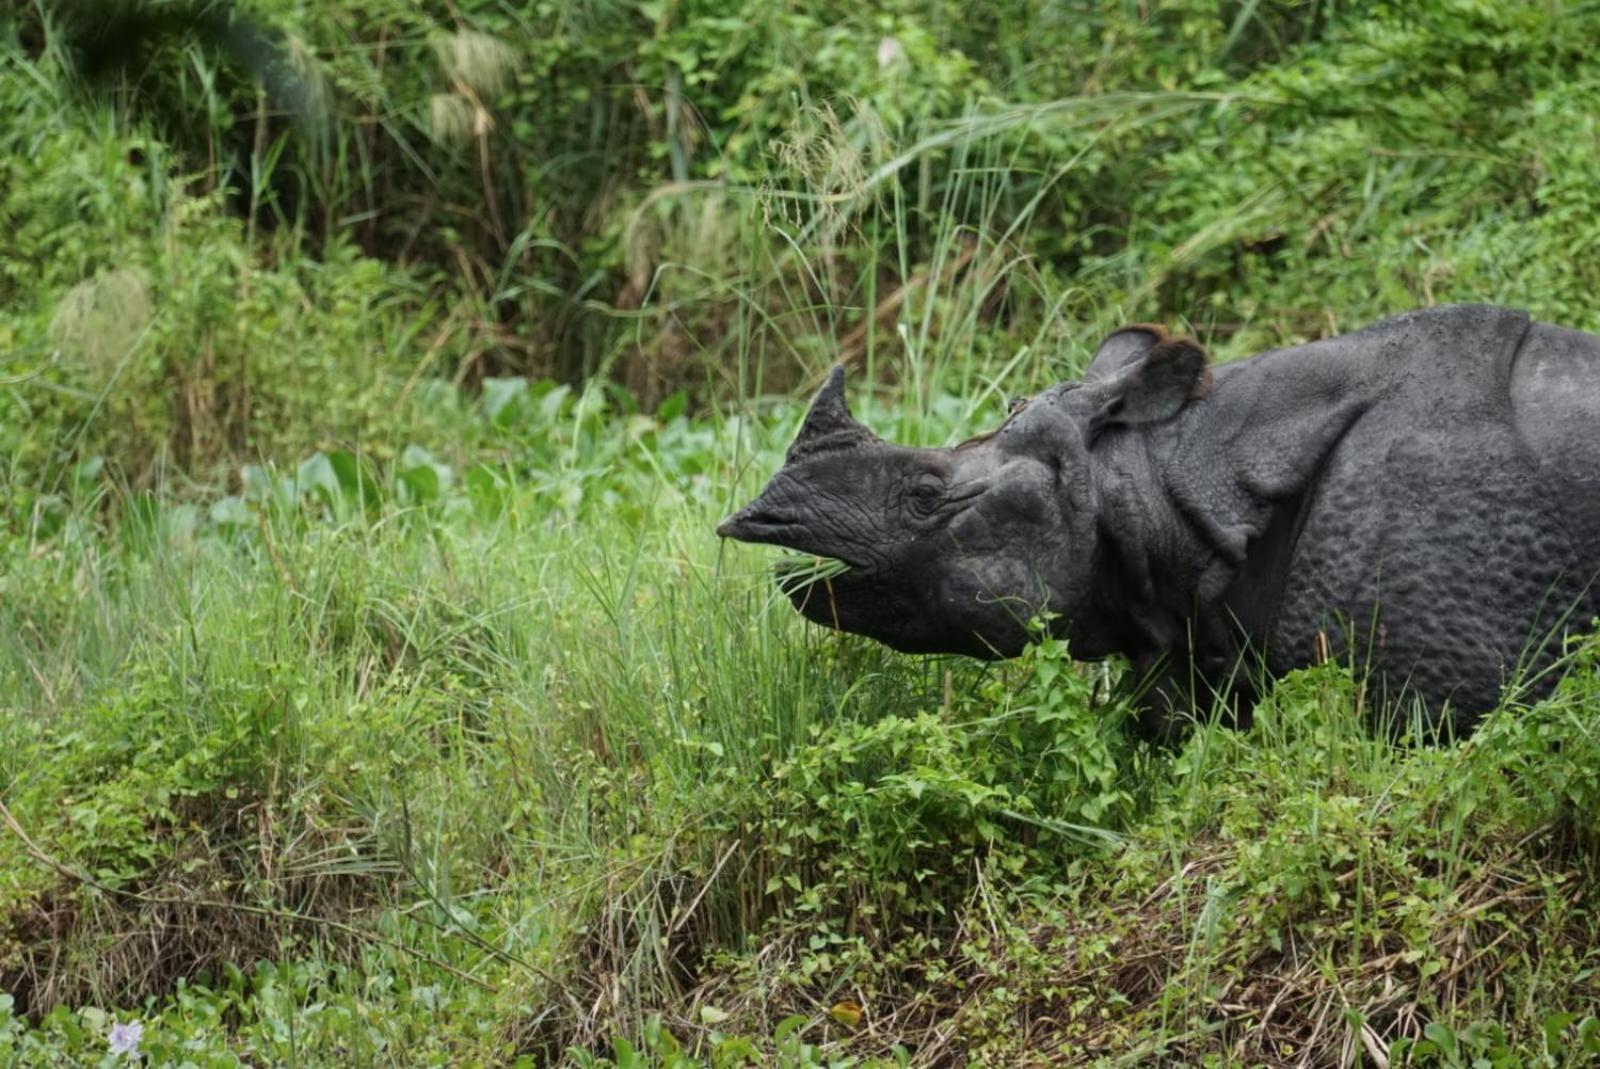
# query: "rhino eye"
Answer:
x=926 y=492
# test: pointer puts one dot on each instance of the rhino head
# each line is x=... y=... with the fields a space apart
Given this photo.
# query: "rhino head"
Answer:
x=956 y=550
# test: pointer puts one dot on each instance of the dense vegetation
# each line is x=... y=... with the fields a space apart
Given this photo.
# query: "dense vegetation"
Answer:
x=373 y=690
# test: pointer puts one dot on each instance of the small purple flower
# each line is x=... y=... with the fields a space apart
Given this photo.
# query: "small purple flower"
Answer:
x=124 y=1038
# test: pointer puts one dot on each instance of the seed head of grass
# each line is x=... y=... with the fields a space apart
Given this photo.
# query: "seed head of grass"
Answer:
x=450 y=119
x=98 y=319
x=482 y=63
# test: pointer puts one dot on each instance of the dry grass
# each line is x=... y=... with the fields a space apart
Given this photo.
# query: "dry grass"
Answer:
x=1124 y=976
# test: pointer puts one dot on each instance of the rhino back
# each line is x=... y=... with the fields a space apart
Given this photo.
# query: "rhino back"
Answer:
x=1451 y=532
x=1555 y=398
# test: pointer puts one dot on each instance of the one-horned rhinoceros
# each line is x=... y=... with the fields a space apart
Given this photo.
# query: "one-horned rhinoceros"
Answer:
x=1422 y=496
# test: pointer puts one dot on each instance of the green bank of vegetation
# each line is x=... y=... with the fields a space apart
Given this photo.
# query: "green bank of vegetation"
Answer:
x=373 y=690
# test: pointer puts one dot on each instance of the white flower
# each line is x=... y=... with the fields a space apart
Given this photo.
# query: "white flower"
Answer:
x=124 y=1038
x=890 y=52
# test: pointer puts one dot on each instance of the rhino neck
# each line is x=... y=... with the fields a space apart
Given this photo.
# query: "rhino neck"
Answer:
x=1231 y=479
x=1197 y=518
x=1150 y=558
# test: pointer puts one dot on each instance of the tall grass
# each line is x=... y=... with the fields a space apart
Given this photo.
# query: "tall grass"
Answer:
x=552 y=757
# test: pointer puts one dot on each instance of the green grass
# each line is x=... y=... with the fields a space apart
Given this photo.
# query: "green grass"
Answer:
x=536 y=765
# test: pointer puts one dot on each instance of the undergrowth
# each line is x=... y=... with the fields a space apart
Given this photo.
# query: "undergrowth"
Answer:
x=457 y=766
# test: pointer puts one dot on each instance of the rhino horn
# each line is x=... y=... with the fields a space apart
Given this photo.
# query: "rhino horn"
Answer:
x=828 y=426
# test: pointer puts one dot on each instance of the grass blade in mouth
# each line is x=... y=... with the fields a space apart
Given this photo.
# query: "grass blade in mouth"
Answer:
x=798 y=572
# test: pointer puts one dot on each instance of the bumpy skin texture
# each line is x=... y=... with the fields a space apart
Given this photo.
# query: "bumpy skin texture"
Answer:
x=1420 y=498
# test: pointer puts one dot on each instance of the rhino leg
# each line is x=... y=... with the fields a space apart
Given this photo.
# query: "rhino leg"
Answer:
x=1175 y=691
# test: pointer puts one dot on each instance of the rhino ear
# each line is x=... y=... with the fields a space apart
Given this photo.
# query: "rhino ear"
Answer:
x=1123 y=348
x=828 y=426
x=1142 y=374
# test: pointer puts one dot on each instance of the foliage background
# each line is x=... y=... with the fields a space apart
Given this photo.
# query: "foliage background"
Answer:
x=371 y=377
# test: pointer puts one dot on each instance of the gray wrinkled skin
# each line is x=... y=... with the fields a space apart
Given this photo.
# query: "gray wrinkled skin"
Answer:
x=1420 y=499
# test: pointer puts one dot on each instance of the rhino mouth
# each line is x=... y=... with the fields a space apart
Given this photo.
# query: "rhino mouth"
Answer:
x=767 y=527
x=821 y=586
x=798 y=571
x=825 y=590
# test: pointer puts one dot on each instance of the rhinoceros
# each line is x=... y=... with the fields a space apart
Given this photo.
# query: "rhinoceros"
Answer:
x=1420 y=498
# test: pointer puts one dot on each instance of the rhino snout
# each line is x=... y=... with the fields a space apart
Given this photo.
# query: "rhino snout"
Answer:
x=759 y=521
